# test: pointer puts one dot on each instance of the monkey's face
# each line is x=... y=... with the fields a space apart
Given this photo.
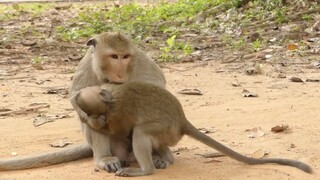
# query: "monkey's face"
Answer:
x=116 y=66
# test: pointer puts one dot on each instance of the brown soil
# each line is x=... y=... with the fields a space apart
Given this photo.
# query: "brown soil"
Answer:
x=221 y=108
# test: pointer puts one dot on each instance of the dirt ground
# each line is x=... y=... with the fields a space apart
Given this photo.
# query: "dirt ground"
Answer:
x=221 y=109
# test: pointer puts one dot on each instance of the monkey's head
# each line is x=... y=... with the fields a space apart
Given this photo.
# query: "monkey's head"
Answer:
x=113 y=56
x=93 y=101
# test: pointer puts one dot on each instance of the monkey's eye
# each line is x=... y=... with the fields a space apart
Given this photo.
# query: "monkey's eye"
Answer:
x=114 y=56
x=126 y=56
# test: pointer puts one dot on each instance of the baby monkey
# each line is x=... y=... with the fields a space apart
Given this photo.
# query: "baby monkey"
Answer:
x=157 y=120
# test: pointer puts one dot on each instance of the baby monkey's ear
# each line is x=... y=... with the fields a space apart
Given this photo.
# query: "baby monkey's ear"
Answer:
x=105 y=95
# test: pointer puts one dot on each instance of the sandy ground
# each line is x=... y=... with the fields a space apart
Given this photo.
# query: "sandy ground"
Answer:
x=221 y=108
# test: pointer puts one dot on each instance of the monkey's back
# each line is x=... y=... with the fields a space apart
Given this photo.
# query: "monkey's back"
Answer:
x=144 y=103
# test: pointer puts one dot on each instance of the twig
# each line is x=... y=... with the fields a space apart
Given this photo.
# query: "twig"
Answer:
x=25 y=110
x=12 y=78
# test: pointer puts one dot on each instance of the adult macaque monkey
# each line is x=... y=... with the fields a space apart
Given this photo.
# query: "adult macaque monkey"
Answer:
x=112 y=58
x=158 y=121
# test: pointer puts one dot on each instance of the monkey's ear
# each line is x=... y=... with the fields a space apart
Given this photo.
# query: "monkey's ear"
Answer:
x=92 y=42
x=105 y=96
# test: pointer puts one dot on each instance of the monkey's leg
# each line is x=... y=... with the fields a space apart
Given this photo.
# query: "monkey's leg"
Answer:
x=163 y=158
x=100 y=145
x=121 y=147
x=142 y=148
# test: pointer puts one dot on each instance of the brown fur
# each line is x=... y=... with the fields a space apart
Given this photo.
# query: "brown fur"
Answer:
x=158 y=121
x=98 y=67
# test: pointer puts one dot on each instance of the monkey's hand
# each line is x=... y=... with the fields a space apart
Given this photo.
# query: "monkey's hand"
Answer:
x=97 y=122
x=83 y=116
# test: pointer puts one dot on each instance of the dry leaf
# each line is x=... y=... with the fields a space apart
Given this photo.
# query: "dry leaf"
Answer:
x=212 y=161
x=206 y=130
x=246 y=93
x=190 y=92
x=258 y=154
x=280 y=128
x=31 y=109
x=211 y=155
x=29 y=42
x=235 y=83
x=38 y=66
x=312 y=80
x=43 y=119
x=292 y=47
x=180 y=149
x=60 y=90
x=255 y=132
x=60 y=143
x=75 y=57
x=297 y=79
x=63 y=6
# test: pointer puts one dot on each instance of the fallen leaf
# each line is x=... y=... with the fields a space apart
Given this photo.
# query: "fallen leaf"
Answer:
x=268 y=56
x=212 y=161
x=180 y=149
x=211 y=155
x=255 y=132
x=38 y=66
x=316 y=64
x=63 y=6
x=62 y=91
x=258 y=154
x=75 y=57
x=60 y=143
x=246 y=93
x=206 y=130
x=29 y=42
x=5 y=109
x=31 y=109
x=280 y=128
x=312 y=80
x=297 y=79
x=190 y=92
x=43 y=119
x=281 y=75
x=292 y=145
x=292 y=47
x=255 y=69
x=235 y=83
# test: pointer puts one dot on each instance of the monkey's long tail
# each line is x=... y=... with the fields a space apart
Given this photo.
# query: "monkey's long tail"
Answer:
x=46 y=159
x=196 y=134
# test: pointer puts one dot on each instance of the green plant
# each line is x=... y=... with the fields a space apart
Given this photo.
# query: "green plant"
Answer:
x=37 y=60
x=186 y=48
x=256 y=45
x=306 y=17
x=136 y=19
x=281 y=15
x=166 y=54
x=239 y=44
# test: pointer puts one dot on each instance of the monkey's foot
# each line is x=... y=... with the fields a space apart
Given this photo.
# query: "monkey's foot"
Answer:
x=159 y=163
x=112 y=164
x=130 y=172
